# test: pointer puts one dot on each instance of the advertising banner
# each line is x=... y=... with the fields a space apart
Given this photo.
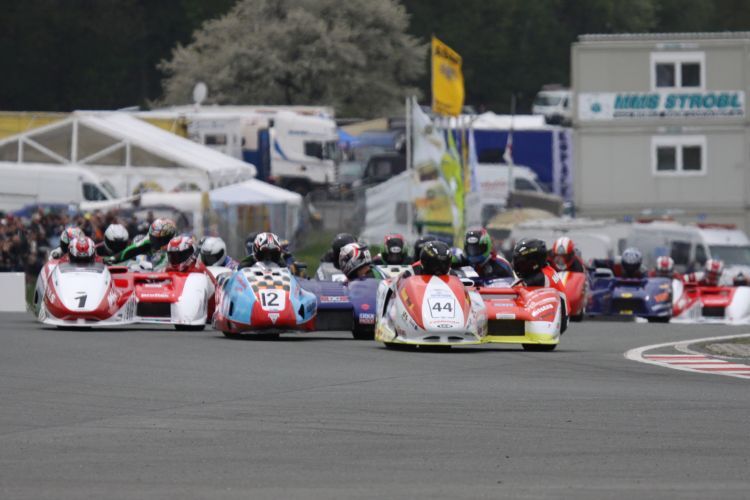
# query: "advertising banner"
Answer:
x=609 y=106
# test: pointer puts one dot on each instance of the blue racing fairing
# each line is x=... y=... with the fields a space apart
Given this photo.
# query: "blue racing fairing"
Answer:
x=345 y=305
x=649 y=298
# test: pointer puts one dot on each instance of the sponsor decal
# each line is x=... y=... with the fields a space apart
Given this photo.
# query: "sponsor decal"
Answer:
x=443 y=325
x=662 y=297
x=333 y=299
x=365 y=307
x=154 y=295
x=111 y=298
x=537 y=312
x=502 y=304
x=626 y=312
x=505 y=316
x=665 y=286
x=660 y=104
x=367 y=318
x=273 y=317
x=152 y=285
x=626 y=295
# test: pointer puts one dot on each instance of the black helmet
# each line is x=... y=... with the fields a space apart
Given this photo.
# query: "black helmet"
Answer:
x=436 y=258
x=529 y=256
x=394 y=249
x=339 y=242
x=420 y=243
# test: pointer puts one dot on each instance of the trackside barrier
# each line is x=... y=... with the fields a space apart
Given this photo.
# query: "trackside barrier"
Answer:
x=12 y=292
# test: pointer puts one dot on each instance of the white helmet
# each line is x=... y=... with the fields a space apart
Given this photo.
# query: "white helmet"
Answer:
x=354 y=257
x=116 y=238
x=213 y=250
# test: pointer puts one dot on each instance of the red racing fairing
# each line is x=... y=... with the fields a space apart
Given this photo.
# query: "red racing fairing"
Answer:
x=533 y=317
x=699 y=303
x=83 y=295
x=576 y=292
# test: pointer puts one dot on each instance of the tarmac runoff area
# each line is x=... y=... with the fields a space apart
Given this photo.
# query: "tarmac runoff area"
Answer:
x=155 y=413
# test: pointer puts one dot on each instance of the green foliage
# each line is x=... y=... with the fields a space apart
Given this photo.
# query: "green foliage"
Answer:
x=354 y=55
x=359 y=55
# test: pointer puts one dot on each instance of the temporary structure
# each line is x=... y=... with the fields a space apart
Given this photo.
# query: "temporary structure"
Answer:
x=129 y=153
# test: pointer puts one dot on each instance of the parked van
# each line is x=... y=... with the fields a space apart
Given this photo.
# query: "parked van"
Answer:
x=691 y=245
x=555 y=104
x=493 y=191
x=28 y=183
x=594 y=238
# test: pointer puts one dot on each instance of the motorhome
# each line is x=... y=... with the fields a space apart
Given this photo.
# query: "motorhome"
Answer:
x=294 y=148
x=690 y=245
x=29 y=183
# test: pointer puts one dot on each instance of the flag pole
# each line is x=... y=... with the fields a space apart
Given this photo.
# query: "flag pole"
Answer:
x=509 y=142
x=409 y=167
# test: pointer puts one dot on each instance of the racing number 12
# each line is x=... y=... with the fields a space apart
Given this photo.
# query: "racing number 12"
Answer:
x=269 y=299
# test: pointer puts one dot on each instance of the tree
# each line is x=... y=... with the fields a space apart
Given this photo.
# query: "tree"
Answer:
x=354 y=55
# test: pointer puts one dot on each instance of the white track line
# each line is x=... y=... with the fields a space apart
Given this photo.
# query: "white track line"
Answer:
x=691 y=361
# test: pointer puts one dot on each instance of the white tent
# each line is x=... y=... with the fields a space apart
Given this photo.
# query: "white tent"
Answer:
x=251 y=206
x=129 y=153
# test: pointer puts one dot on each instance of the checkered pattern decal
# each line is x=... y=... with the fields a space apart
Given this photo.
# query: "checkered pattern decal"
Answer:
x=274 y=279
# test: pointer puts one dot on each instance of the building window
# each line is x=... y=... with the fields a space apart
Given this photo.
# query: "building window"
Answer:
x=670 y=70
x=679 y=155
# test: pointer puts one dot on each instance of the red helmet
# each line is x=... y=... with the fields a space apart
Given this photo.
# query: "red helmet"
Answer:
x=68 y=235
x=82 y=250
x=714 y=268
x=664 y=266
x=563 y=253
x=181 y=252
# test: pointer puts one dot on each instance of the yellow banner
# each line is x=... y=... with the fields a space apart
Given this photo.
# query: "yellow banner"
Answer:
x=447 y=80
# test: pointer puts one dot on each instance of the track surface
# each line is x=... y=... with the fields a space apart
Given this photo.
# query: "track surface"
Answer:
x=161 y=414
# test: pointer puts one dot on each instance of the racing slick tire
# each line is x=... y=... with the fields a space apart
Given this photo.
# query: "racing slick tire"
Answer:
x=659 y=319
x=539 y=347
x=360 y=333
x=576 y=318
x=399 y=347
x=189 y=328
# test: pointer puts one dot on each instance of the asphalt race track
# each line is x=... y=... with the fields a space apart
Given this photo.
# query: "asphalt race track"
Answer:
x=147 y=413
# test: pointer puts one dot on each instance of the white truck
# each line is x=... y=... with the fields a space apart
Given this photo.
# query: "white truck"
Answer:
x=690 y=245
x=493 y=191
x=295 y=147
x=555 y=103
x=30 y=183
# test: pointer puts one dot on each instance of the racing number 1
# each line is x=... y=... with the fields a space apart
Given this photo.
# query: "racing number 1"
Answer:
x=81 y=300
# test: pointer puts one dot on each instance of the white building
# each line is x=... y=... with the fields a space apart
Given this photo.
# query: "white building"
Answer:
x=661 y=125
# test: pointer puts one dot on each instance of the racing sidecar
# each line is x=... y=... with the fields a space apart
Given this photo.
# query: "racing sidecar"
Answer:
x=649 y=298
x=577 y=292
x=69 y=294
x=183 y=299
x=694 y=303
x=532 y=317
x=263 y=299
x=429 y=310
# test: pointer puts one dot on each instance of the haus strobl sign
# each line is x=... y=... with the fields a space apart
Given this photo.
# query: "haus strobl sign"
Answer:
x=658 y=105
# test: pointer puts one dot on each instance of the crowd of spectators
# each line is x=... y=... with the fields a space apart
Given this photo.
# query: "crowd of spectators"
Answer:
x=26 y=239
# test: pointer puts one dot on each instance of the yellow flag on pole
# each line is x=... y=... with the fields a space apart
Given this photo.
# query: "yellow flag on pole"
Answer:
x=447 y=80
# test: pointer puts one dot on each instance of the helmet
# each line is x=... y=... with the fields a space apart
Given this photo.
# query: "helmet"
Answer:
x=420 y=243
x=68 y=235
x=394 y=249
x=631 y=261
x=249 y=242
x=436 y=258
x=267 y=247
x=181 y=252
x=529 y=256
x=82 y=250
x=339 y=242
x=116 y=238
x=740 y=280
x=714 y=268
x=478 y=246
x=353 y=258
x=161 y=232
x=458 y=257
x=563 y=253
x=213 y=250
x=664 y=266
